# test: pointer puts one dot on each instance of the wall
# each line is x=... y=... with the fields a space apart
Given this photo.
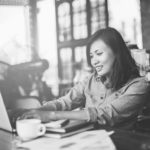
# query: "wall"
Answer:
x=145 y=19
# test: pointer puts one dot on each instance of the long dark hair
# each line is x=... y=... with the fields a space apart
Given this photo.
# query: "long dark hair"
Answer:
x=124 y=66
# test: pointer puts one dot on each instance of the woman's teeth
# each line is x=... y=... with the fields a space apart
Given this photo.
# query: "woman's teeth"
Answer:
x=99 y=68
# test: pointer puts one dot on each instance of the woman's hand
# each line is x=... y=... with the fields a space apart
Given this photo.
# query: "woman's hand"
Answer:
x=44 y=116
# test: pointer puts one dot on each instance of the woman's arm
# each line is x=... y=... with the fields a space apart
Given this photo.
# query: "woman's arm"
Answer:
x=122 y=106
x=73 y=99
x=60 y=108
x=46 y=116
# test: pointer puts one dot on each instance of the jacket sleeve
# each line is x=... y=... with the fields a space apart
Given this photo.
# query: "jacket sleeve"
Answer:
x=121 y=105
x=73 y=99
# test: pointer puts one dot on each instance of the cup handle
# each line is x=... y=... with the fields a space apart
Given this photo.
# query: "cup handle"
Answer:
x=42 y=130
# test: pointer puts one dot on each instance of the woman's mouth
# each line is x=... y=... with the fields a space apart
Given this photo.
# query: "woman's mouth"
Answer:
x=99 y=68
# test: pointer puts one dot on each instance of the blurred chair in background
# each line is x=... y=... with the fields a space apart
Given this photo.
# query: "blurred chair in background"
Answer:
x=22 y=85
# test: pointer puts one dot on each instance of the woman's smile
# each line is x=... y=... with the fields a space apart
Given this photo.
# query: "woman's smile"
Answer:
x=99 y=68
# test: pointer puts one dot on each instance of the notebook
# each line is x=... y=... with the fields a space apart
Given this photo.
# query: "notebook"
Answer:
x=71 y=125
x=70 y=133
x=4 y=118
x=68 y=128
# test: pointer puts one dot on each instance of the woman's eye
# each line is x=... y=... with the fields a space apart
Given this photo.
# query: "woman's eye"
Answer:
x=99 y=54
x=91 y=56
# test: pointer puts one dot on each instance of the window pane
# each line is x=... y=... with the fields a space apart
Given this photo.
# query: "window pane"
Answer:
x=81 y=68
x=14 y=35
x=97 y=14
x=64 y=22
x=80 y=56
x=66 y=62
x=79 y=19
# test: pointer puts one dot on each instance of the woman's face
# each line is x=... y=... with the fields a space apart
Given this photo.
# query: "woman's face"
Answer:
x=102 y=58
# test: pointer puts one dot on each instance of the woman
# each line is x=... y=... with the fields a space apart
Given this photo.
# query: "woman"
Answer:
x=112 y=95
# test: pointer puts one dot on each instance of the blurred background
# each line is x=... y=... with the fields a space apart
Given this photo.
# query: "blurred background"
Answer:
x=55 y=32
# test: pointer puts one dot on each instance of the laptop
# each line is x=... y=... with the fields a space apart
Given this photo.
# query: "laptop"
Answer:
x=5 y=123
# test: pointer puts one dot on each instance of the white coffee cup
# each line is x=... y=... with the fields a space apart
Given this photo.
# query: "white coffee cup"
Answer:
x=28 y=129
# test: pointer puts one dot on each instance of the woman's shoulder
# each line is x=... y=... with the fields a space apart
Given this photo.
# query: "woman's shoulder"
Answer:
x=142 y=80
x=138 y=84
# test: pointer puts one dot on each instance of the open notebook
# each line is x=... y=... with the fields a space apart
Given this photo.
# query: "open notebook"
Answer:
x=4 y=119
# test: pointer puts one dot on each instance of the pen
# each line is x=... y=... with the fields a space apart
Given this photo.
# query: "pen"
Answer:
x=64 y=122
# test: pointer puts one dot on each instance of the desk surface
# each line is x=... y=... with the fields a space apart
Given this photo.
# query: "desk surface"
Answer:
x=6 y=140
x=123 y=140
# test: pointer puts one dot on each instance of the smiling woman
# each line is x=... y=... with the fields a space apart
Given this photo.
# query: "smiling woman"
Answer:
x=116 y=57
x=111 y=96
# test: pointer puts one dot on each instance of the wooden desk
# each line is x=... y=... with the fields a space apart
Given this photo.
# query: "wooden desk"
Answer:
x=7 y=140
x=123 y=140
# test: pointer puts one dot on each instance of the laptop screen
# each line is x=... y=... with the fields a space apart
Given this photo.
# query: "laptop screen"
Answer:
x=4 y=118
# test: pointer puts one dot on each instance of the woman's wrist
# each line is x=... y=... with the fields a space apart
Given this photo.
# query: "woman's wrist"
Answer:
x=81 y=115
x=52 y=115
x=87 y=115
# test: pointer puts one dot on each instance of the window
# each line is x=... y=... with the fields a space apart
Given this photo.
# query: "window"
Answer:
x=80 y=56
x=64 y=22
x=76 y=20
x=66 y=59
x=98 y=17
x=79 y=19
x=14 y=37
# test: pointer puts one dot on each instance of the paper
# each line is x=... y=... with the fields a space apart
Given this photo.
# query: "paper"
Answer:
x=57 y=124
x=89 y=140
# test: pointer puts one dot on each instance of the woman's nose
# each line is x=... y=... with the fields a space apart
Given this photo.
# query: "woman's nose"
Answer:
x=95 y=61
